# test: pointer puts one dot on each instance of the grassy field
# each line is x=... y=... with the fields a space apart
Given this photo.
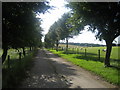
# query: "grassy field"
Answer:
x=14 y=53
x=92 y=53
x=92 y=63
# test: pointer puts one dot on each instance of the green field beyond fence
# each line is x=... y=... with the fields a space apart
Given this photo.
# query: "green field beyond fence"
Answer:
x=93 y=53
x=14 y=69
x=91 y=60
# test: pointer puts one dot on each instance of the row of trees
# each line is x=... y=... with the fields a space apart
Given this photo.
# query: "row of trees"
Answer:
x=58 y=31
x=20 y=26
x=103 y=19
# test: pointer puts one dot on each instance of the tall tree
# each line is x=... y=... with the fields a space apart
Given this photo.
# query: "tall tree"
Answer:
x=102 y=18
x=65 y=28
x=53 y=35
x=59 y=31
x=20 y=27
x=49 y=41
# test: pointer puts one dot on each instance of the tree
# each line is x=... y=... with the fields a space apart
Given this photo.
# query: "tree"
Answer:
x=20 y=27
x=59 y=31
x=65 y=32
x=102 y=18
x=53 y=36
x=48 y=41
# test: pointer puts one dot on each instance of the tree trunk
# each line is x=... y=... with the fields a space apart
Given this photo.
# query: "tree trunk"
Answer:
x=66 y=44
x=30 y=48
x=108 y=52
x=4 y=54
x=57 y=45
x=23 y=51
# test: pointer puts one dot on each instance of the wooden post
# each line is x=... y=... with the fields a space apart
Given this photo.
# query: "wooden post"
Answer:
x=20 y=56
x=30 y=48
x=99 y=54
x=8 y=61
x=85 y=52
x=24 y=51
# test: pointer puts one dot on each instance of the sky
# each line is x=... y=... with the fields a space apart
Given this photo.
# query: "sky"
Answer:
x=54 y=14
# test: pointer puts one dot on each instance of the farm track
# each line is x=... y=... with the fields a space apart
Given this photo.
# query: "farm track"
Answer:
x=51 y=71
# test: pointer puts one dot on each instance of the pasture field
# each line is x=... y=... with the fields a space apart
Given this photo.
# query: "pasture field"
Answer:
x=14 y=53
x=92 y=52
x=91 y=62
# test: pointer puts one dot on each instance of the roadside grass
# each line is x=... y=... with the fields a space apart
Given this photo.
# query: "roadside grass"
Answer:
x=109 y=74
x=13 y=76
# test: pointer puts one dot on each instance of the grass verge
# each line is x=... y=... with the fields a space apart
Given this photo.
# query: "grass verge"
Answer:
x=13 y=76
x=109 y=74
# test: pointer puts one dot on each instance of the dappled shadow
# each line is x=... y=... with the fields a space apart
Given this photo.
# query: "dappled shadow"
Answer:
x=116 y=67
x=47 y=72
x=44 y=81
x=92 y=58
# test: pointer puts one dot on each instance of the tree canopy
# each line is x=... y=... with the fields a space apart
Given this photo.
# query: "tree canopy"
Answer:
x=58 y=31
x=21 y=28
x=102 y=18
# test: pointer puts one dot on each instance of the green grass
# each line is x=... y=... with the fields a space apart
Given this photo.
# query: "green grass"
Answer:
x=92 y=54
x=0 y=52
x=109 y=74
x=13 y=76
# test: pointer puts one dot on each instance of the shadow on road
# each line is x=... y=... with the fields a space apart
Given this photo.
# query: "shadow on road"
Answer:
x=48 y=72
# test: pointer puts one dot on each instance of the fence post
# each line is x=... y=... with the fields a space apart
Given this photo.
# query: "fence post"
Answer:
x=20 y=56
x=99 y=54
x=79 y=51
x=62 y=48
x=8 y=61
x=85 y=52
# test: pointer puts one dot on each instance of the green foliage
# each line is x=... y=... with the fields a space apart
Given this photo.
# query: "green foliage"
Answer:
x=21 y=28
x=101 y=18
x=62 y=22
x=109 y=74
x=58 y=31
x=48 y=41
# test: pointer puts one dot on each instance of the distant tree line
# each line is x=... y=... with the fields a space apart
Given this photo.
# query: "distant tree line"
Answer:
x=118 y=44
x=85 y=44
x=89 y=44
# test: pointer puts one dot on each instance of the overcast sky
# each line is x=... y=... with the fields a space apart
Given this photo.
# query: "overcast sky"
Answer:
x=54 y=14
